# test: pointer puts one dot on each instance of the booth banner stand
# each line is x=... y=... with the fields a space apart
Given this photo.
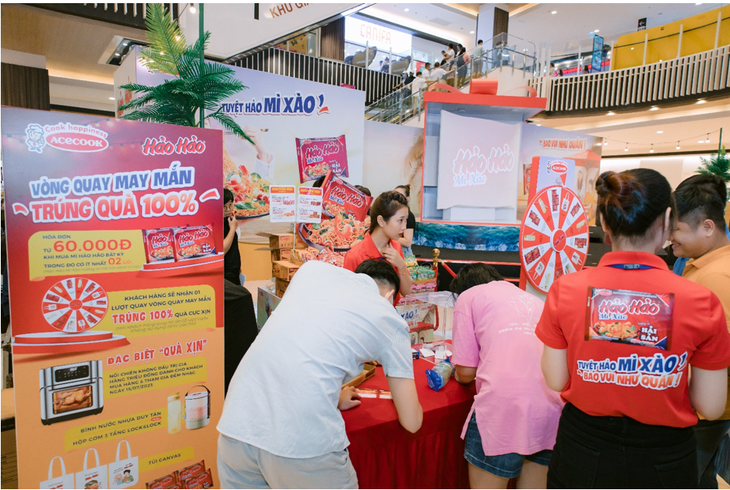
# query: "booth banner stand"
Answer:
x=301 y=130
x=115 y=263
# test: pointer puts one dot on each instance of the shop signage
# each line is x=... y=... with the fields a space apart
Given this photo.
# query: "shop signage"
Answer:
x=115 y=263
x=361 y=32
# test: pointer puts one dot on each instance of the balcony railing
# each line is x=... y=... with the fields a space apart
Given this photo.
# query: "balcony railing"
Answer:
x=123 y=14
x=375 y=84
x=691 y=76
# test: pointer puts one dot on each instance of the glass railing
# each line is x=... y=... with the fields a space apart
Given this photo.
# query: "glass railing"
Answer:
x=403 y=104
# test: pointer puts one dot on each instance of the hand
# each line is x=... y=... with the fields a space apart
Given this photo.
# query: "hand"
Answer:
x=349 y=398
x=232 y=224
x=255 y=135
x=394 y=258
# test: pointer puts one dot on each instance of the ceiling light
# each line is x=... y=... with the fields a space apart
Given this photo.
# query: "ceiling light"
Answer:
x=192 y=9
x=605 y=142
x=406 y=10
x=598 y=144
x=708 y=138
x=611 y=113
x=678 y=145
x=627 y=147
x=112 y=98
x=471 y=32
x=701 y=101
x=553 y=12
x=659 y=132
x=538 y=124
x=632 y=48
x=654 y=108
x=701 y=141
x=597 y=30
x=652 y=148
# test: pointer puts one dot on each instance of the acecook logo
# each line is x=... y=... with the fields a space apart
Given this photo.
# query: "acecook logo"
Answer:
x=66 y=137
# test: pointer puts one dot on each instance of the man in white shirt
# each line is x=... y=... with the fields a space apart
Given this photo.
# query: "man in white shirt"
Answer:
x=281 y=426
x=426 y=71
x=437 y=73
x=418 y=84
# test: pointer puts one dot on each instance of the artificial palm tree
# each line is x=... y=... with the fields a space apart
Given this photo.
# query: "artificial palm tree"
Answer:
x=195 y=84
x=718 y=164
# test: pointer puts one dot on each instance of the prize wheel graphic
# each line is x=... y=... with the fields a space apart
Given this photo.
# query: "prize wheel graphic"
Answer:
x=553 y=236
x=75 y=305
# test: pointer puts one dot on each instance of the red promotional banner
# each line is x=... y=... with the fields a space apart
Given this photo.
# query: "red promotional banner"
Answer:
x=114 y=232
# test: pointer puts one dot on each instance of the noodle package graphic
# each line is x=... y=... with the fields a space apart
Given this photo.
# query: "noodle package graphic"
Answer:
x=630 y=317
x=193 y=241
x=341 y=197
x=317 y=156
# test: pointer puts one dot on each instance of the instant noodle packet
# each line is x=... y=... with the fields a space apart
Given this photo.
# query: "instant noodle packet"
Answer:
x=167 y=481
x=341 y=197
x=630 y=317
x=317 y=156
x=158 y=244
x=193 y=241
x=200 y=480
x=191 y=470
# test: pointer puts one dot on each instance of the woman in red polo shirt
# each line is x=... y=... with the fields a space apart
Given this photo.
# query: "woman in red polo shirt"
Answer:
x=388 y=217
x=621 y=362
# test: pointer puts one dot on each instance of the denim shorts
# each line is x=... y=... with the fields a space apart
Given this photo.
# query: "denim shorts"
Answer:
x=505 y=465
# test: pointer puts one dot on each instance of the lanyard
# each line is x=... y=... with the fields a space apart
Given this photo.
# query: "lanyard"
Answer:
x=631 y=267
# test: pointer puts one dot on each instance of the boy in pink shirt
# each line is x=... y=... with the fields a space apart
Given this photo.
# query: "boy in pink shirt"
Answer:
x=511 y=428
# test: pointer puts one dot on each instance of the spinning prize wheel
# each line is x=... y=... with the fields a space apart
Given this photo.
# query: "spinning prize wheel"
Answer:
x=75 y=305
x=553 y=236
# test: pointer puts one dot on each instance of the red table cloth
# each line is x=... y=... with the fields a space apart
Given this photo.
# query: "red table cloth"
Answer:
x=385 y=455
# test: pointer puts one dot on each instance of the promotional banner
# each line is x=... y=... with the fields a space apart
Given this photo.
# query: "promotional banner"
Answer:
x=114 y=233
x=581 y=149
x=477 y=163
x=300 y=130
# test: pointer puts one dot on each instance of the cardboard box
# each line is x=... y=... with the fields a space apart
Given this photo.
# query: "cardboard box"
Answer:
x=298 y=242
x=281 y=287
x=285 y=270
x=279 y=240
x=266 y=303
x=280 y=254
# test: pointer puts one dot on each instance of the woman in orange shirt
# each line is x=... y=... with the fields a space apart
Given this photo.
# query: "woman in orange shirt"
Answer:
x=388 y=217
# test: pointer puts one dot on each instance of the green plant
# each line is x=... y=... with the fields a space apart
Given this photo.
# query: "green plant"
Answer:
x=718 y=164
x=178 y=100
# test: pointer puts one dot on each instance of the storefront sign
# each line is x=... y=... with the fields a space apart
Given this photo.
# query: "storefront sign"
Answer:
x=361 y=32
x=115 y=262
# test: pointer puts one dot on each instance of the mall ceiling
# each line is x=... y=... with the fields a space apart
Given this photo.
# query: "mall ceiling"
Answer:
x=76 y=49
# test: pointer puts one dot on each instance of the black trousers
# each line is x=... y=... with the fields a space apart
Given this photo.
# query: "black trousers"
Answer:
x=620 y=452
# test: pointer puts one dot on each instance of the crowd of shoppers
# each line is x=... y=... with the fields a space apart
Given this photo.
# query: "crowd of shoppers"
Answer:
x=599 y=386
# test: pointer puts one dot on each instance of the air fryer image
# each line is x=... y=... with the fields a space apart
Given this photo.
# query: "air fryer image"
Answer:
x=71 y=391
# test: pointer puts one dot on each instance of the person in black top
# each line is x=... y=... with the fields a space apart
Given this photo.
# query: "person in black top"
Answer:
x=407 y=239
x=232 y=257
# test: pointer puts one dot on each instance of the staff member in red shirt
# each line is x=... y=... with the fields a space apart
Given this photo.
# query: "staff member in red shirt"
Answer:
x=388 y=217
x=621 y=362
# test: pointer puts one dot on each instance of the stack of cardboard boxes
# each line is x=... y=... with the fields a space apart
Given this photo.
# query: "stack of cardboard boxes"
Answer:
x=284 y=264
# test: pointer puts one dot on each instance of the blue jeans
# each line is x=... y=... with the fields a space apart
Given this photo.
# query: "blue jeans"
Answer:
x=709 y=434
x=504 y=465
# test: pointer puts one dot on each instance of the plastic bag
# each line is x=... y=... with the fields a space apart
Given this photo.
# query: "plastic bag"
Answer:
x=440 y=374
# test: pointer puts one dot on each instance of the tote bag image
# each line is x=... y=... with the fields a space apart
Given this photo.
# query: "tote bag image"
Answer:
x=123 y=473
x=63 y=481
x=95 y=477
